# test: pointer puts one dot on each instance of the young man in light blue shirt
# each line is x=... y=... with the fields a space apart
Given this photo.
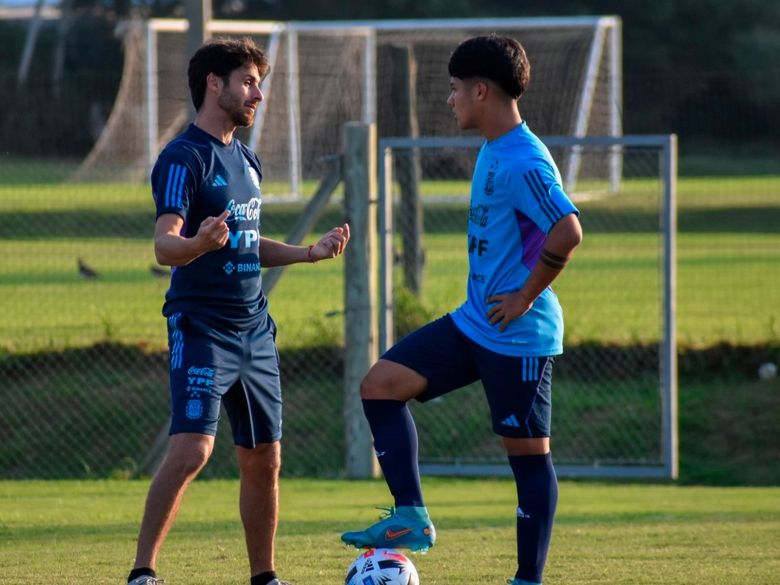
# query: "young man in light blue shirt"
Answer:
x=522 y=230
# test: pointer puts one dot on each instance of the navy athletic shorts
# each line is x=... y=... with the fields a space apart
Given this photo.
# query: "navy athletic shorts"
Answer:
x=211 y=366
x=518 y=389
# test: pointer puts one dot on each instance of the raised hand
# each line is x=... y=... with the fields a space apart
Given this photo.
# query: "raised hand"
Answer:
x=331 y=244
x=213 y=232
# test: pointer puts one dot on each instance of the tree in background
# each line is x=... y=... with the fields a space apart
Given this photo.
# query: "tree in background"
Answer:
x=706 y=69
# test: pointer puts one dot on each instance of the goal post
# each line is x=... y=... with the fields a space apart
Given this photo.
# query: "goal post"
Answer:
x=327 y=73
x=615 y=394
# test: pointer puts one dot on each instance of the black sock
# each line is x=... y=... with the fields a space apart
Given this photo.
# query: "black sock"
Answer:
x=395 y=443
x=140 y=571
x=263 y=578
x=537 y=496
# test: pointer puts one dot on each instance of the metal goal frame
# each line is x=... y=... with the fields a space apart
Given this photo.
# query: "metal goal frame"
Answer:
x=667 y=148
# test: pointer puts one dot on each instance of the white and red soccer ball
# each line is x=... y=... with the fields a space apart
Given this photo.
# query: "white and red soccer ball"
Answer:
x=382 y=566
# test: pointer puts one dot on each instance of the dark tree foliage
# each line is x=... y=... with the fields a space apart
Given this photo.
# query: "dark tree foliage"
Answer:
x=706 y=69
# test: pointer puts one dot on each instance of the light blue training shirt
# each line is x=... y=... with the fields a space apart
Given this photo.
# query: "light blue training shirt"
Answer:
x=516 y=198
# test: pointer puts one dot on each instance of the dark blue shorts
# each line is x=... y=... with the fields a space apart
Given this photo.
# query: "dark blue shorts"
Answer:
x=518 y=389
x=211 y=366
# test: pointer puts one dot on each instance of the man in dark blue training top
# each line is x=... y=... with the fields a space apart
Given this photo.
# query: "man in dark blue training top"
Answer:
x=206 y=187
x=522 y=229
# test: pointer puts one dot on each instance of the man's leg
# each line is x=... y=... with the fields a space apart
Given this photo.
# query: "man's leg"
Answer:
x=259 y=502
x=385 y=390
x=187 y=454
x=428 y=363
x=537 y=498
x=519 y=392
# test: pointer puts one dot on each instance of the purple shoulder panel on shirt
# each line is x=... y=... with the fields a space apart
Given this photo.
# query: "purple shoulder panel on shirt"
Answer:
x=533 y=239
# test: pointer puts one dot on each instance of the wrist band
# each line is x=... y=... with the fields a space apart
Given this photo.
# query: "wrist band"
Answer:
x=308 y=253
x=552 y=260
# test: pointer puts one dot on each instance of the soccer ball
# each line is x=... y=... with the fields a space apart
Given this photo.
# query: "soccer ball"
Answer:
x=382 y=566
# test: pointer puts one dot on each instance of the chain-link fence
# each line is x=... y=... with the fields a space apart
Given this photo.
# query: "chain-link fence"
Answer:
x=82 y=340
x=83 y=364
x=83 y=358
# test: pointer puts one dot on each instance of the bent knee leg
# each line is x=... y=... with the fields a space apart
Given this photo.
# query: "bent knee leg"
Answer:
x=388 y=380
x=374 y=387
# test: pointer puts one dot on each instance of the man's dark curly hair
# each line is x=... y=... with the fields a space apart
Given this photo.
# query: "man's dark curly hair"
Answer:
x=499 y=59
x=222 y=57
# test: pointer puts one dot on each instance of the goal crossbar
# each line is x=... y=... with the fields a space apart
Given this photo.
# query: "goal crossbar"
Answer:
x=588 y=98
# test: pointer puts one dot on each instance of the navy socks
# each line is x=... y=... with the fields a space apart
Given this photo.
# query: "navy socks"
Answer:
x=263 y=578
x=537 y=497
x=140 y=571
x=395 y=443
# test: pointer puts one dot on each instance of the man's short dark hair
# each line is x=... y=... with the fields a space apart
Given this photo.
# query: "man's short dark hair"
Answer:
x=499 y=59
x=222 y=57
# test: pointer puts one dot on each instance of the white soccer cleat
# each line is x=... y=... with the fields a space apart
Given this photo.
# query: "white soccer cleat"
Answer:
x=146 y=580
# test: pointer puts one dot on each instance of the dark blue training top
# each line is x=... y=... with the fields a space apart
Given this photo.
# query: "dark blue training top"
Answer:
x=197 y=176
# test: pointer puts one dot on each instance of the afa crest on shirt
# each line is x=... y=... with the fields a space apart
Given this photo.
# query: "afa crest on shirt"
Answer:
x=490 y=182
x=479 y=215
x=194 y=409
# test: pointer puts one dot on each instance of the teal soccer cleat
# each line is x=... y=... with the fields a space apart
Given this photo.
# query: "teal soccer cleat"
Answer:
x=407 y=527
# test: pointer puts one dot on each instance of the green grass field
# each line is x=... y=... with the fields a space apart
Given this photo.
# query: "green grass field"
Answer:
x=727 y=290
x=84 y=532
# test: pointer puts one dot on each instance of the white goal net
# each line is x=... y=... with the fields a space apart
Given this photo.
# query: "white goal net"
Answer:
x=326 y=73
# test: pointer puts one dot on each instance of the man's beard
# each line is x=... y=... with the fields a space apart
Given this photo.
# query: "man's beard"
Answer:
x=236 y=110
